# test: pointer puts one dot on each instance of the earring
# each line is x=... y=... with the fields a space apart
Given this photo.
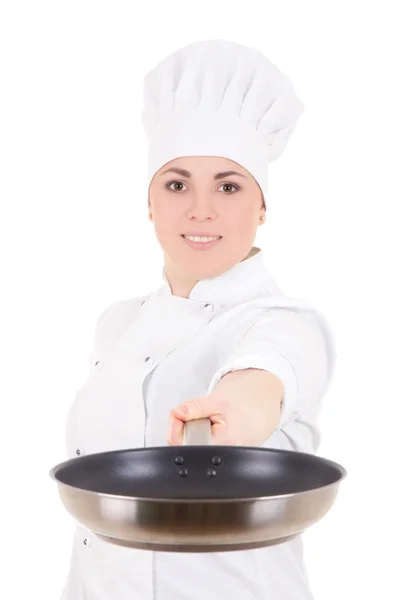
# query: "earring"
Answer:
x=150 y=216
x=262 y=217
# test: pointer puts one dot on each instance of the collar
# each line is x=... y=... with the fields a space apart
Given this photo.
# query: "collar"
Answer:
x=243 y=280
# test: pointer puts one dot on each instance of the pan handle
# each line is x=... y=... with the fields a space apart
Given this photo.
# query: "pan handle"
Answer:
x=197 y=433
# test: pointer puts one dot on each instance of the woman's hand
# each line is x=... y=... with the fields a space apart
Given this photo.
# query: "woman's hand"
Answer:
x=244 y=409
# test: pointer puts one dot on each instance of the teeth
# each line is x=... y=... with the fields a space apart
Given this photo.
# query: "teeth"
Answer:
x=200 y=239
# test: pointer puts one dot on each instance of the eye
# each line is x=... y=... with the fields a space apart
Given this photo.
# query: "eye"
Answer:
x=237 y=188
x=168 y=185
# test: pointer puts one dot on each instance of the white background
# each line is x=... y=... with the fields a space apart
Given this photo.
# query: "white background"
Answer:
x=75 y=237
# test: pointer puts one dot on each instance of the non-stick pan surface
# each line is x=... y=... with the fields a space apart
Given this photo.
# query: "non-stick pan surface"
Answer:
x=199 y=472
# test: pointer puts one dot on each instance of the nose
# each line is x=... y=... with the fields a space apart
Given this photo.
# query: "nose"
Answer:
x=202 y=211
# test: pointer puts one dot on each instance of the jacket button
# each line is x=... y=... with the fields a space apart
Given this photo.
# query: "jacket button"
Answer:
x=144 y=302
x=86 y=542
x=149 y=360
x=78 y=452
x=208 y=306
x=98 y=364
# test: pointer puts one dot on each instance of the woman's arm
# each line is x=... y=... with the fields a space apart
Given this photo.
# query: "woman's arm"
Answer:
x=280 y=368
x=244 y=409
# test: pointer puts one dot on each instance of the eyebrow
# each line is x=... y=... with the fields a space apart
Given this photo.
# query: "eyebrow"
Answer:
x=187 y=174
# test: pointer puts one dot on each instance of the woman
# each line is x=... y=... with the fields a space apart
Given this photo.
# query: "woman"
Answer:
x=218 y=339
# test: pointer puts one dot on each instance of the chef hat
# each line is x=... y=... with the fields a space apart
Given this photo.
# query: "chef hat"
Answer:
x=218 y=98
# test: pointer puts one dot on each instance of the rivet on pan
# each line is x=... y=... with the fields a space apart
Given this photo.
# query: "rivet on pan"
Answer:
x=216 y=460
x=179 y=460
x=211 y=472
x=183 y=472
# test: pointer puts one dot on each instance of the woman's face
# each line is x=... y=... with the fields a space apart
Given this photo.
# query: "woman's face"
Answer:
x=204 y=199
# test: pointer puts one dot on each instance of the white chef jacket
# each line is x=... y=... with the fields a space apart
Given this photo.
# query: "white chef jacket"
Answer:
x=152 y=353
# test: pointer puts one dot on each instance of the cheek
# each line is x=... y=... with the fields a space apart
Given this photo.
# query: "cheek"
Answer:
x=166 y=222
x=243 y=220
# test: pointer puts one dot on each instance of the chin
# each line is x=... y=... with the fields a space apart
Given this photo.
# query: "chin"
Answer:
x=197 y=265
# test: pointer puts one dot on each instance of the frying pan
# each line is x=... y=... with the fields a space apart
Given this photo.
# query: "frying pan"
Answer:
x=198 y=497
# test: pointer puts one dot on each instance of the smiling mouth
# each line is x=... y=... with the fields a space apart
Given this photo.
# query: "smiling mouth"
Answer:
x=202 y=244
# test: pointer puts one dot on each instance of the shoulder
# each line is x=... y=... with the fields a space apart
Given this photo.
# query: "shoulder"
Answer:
x=294 y=326
x=292 y=314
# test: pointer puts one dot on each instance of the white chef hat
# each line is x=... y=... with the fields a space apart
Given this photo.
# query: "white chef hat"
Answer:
x=218 y=98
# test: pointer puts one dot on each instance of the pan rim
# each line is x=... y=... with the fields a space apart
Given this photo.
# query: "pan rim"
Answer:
x=143 y=499
x=342 y=474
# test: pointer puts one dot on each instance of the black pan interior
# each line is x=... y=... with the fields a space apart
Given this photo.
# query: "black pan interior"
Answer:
x=199 y=472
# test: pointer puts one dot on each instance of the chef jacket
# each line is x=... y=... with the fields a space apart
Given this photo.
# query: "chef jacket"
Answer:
x=153 y=352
